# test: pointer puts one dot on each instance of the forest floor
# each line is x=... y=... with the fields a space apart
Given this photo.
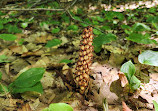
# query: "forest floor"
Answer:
x=51 y=40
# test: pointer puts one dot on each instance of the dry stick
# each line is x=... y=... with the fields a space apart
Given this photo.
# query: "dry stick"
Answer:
x=34 y=9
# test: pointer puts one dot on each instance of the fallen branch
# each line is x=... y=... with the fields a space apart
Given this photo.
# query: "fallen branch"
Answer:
x=34 y=9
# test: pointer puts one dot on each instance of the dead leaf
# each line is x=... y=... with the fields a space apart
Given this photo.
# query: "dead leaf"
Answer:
x=154 y=76
x=104 y=92
x=123 y=79
x=35 y=53
x=125 y=107
x=25 y=107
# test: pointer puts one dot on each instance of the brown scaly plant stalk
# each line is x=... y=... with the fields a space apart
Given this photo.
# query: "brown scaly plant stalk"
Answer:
x=85 y=60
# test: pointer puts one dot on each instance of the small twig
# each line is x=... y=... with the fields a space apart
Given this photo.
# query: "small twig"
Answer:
x=34 y=9
x=71 y=5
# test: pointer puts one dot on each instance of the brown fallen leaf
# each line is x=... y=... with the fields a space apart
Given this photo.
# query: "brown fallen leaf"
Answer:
x=25 y=107
x=36 y=53
x=123 y=79
x=125 y=107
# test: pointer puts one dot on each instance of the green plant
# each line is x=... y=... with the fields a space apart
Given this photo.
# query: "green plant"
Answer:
x=58 y=107
x=53 y=42
x=3 y=89
x=55 y=30
x=67 y=61
x=3 y=58
x=28 y=81
x=102 y=39
x=8 y=37
x=128 y=69
x=149 y=57
x=155 y=105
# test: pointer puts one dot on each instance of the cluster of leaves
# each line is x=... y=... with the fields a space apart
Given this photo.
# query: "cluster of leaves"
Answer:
x=128 y=69
x=26 y=81
x=105 y=21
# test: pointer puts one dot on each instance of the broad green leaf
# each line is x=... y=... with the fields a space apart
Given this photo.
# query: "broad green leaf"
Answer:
x=140 y=27
x=100 y=19
x=155 y=105
x=106 y=28
x=139 y=38
x=97 y=49
x=3 y=58
x=28 y=78
x=13 y=29
x=95 y=22
x=149 y=58
x=37 y=88
x=128 y=69
x=60 y=107
x=24 y=25
x=67 y=61
x=86 y=21
x=73 y=27
x=8 y=37
x=97 y=32
x=53 y=42
x=77 y=18
x=125 y=27
x=55 y=30
x=102 y=39
x=134 y=82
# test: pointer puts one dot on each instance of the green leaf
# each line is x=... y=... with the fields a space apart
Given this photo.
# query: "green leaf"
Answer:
x=3 y=58
x=59 y=107
x=8 y=37
x=65 y=18
x=73 y=27
x=37 y=88
x=140 y=27
x=24 y=25
x=77 y=18
x=28 y=78
x=134 y=83
x=53 y=42
x=0 y=75
x=139 y=38
x=155 y=105
x=106 y=28
x=3 y=89
x=55 y=30
x=21 y=41
x=67 y=61
x=54 y=22
x=13 y=29
x=149 y=58
x=100 y=19
x=128 y=69
x=102 y=39
x=97 y=32
x=1 y=26
x=79 y=11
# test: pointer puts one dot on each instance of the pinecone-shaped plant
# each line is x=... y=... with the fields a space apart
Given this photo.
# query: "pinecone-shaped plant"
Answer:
x=85 y=60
